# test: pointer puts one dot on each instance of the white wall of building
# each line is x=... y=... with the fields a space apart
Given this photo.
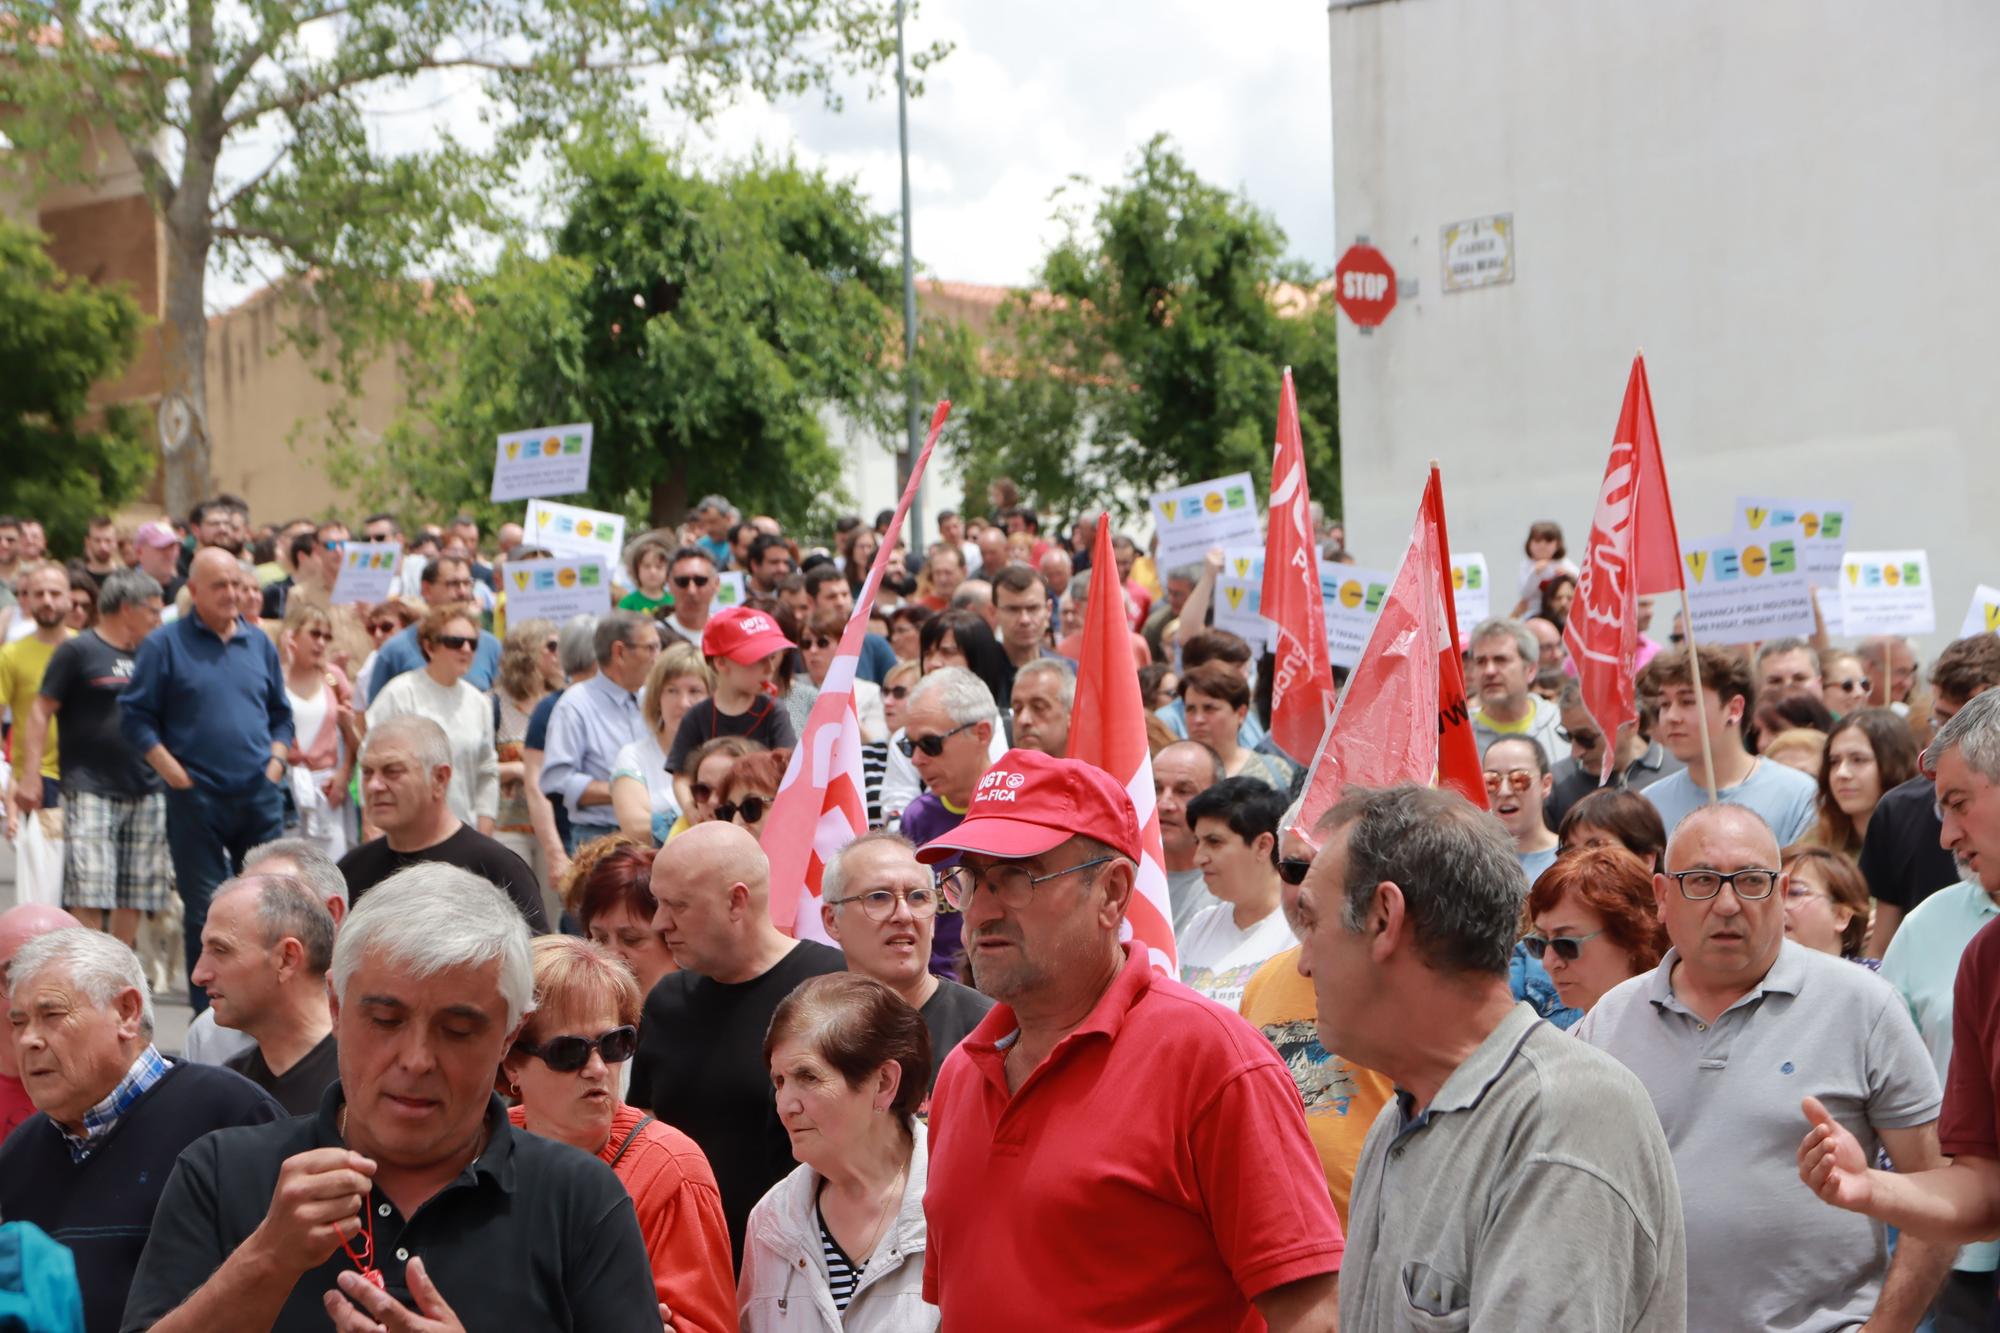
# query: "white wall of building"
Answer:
x=1789 y=204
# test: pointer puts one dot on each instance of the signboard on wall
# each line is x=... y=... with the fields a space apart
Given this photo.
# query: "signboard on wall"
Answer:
x=1478 y=252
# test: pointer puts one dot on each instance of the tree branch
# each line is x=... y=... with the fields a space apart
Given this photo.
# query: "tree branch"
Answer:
x=222 y=209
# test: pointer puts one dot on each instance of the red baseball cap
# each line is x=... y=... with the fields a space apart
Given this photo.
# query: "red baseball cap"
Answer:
x=743 y=635
x=1029 y=803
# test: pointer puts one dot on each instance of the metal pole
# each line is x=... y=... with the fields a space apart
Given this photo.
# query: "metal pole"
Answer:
x=906 y=458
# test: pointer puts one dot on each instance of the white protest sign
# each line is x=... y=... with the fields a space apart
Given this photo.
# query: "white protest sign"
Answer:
x=367 y=572
x=1239 y=594
x=572 y=530
x=1886 y=592
x=1983 y=616
x=556 y=588
x=548 y=460
x=1353 y=597
x=1822 y=535
x=1471 y=592
x=730 y=590
x=1746 y=590
x=1192 y=519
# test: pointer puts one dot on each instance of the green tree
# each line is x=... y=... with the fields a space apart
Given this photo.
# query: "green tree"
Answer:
x=699 y=325
x=1152 y=354
x=59 y=336
x=359 y=201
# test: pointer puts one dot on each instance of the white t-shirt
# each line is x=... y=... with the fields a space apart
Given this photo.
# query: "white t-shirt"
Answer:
x=1217 y=959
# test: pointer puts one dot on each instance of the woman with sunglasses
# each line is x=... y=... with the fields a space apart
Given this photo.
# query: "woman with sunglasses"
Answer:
x=875 y=759
x=700 y=778
x=448 y=636
x=1595 y=923
x=383 y=622
x=746 y=793
x=642 y=787
x=564 y=1071
x=327 y=729
x=820 y=646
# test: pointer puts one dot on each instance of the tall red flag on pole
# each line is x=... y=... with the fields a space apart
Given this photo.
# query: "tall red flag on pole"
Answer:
x=1302 y=694
x=1633 y=552
x=821 y=806
x=1108 y=729
x=1389 y=727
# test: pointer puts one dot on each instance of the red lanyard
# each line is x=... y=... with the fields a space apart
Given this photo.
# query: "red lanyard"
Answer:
x=365 y=1259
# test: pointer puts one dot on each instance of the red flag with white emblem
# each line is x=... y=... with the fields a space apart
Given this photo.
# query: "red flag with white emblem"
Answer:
x=821 y=805
x=1302 y=694
x=1108 y=729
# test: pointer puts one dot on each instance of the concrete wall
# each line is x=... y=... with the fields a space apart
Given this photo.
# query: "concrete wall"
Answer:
x=1787 y=204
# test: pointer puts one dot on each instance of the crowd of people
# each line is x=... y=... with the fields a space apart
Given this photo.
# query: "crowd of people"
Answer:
x=453 y=895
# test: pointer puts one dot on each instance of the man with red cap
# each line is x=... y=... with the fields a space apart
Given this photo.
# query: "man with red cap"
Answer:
x=18 y=925
x=1108 y=1150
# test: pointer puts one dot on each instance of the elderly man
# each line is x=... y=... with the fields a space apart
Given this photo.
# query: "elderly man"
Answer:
x=950 y=726
x=1044 y=694
x=407 y=1202
x=1510 y=1150
x=111 y=1113
x=700 y=1065
x=1549 y=643
x=264 y=957
x=445 y=581
x=405 y=792
x=1060 y=1089
x=207 y=710
x=880 y=906
x=1504 y=657
x=18 y=925
x=976 y=596
x=597 y=718
x=1181 y=772
x=947 y=571
x=158 y=550
x=1732 y=1004
x=1788 y=664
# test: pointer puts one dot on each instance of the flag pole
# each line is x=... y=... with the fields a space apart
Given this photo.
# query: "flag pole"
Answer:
x=1700 y=701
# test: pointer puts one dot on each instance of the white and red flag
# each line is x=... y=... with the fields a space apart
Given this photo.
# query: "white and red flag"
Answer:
x=1633 y=552
x=821 y=805
x=1107 y=729
x=1302 y=694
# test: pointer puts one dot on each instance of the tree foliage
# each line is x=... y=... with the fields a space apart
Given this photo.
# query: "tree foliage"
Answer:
x=59 y=337
x=700 y=325
x=1152 y=354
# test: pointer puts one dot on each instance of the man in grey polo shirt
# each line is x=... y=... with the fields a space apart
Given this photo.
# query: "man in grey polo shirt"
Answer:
x=1729 y=1033
x=1519 y=1178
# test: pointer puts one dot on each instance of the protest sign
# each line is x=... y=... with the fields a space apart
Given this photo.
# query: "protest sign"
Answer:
x=1352 y=596
x=548 y=460
x=730 y=590
x=1744 y=591
x=571 y=530
x=367 y=572
x=1886 y=592
x=1239 y=595
x=557 y=588
x=1470 y=592
x=1192 y=519
x=1822 y=535
x=1983 y=616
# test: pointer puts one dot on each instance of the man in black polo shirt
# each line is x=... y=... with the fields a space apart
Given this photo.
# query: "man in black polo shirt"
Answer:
x=409 y=1193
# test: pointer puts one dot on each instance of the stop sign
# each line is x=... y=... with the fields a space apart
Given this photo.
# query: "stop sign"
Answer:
x=1365 y=285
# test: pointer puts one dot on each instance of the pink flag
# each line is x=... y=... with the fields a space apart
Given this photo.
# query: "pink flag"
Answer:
x=1108 y=730
x=821 y=806
x=1302 y=694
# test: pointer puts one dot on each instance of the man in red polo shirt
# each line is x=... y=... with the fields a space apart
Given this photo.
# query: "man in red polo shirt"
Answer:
x=1108 y=1150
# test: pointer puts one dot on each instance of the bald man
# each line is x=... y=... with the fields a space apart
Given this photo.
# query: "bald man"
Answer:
x=700 y=1066
x=18 y=925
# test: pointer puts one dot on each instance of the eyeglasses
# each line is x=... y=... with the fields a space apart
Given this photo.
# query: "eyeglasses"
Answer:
x=566 y=1055
x=319 y=634
x=931 y=745
x=1701 y=885
x=818 y=641
x=456 y=641
x=1565 y=947
x=750 y=807
x=1583 y=736
x=690 y=580
x=701 y=792
x=895 y=691
x=1292 y=870
x=1860 y=684
x=880 y=904
x=1010 y=881
x=383 y=627
x=1517 y=781
x=1800 y=891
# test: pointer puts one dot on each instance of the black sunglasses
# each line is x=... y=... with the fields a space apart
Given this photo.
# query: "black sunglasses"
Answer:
x=690 y=580
x=456 y=641
x=817 y=641
x=701 y=792
x=566 y=1055
x=1292 y=870
x=750 y=807
x=930 y=745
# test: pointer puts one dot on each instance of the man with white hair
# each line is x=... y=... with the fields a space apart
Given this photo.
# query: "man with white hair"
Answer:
x=949 y=728
x=265 y=951
x=408 y=1202
x=18 y=925
x=1044 y=694
x=112 y=1114
x=1505 y=655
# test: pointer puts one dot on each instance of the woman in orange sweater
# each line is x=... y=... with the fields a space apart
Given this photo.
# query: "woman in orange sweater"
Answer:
x=564 y=1071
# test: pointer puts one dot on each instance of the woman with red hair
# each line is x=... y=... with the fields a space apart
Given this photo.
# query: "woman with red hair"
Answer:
x=1595 y=924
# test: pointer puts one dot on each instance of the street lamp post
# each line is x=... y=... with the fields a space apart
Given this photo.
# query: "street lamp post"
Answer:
x=907 y=457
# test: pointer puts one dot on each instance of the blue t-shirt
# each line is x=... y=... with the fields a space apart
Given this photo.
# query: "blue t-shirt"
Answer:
x=1785 y=798
x=1534 y=863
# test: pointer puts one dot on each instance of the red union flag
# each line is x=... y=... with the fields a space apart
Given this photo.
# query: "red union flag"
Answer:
x=821 y=806
x=1633 y=552
x=1302 y=695
x=1108 y=730
x=1458 y=765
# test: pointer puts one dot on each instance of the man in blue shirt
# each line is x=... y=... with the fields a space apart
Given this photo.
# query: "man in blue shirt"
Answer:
x=206 y=710
x=446 y=580
x=597 y=718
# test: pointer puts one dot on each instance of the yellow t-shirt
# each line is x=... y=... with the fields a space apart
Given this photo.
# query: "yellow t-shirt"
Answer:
x=22 y=663
x=1341 y=1099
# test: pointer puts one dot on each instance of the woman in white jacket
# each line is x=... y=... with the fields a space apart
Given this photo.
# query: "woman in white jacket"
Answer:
x=839 y=1243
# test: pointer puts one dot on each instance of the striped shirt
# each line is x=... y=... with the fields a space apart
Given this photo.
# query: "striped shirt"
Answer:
x=98 y=1121
x=841 y=1274
x=874 y=763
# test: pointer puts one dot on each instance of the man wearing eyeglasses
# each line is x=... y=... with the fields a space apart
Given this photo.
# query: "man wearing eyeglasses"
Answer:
x=948 y=728
x=1100 y=1107
x=1729 y=1033
x=691 y=576
x=880 y=906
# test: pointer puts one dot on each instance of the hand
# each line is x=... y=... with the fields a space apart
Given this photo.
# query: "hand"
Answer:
x=28 y=794
x=278 y=776
x=177 y=777
x=1213 y=559
x=1831 y=1162
x=666 y=1317
x=362 y=1307
x=315 y=1208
